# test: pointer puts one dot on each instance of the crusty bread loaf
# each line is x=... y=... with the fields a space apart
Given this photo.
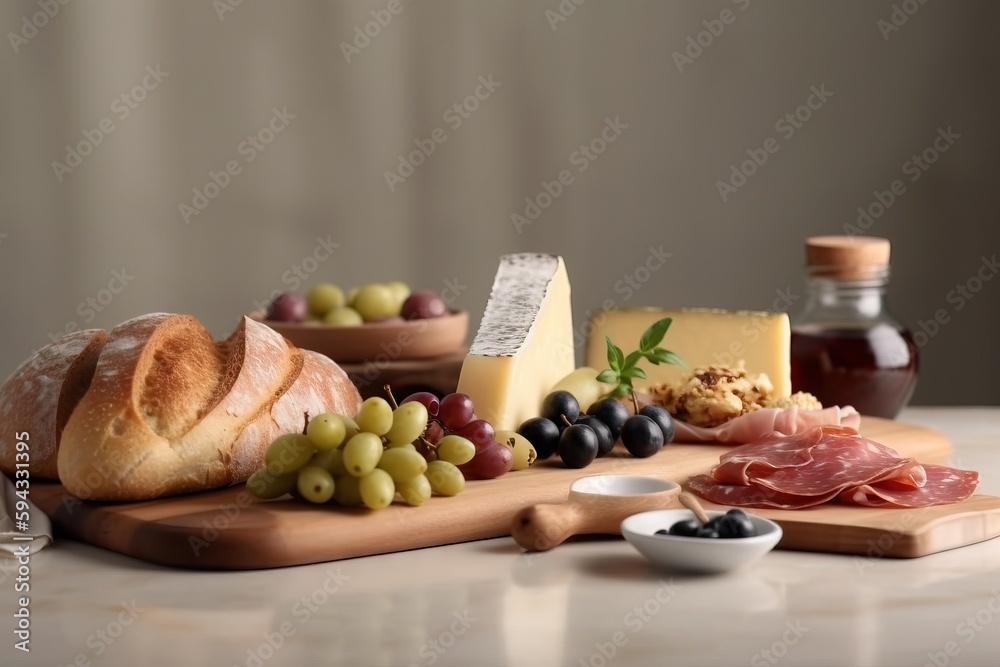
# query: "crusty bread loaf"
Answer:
x=39 y=396
x=169 y=410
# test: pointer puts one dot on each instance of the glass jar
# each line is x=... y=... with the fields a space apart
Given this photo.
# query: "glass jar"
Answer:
x=847 y=348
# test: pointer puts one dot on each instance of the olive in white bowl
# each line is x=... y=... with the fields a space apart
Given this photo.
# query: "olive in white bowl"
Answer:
x=697 y=554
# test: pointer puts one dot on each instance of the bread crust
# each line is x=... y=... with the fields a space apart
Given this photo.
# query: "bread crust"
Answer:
x=158 y=407
x=40 y=395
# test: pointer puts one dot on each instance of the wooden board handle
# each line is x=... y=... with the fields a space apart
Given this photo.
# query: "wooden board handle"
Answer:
x=541 y=527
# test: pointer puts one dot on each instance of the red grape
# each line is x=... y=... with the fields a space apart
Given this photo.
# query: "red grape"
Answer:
x=456 y=411
x=430 y=401
x=423 y=305
x=491 y=462
x=288 y=307
x=434 y=432
x=479 y=432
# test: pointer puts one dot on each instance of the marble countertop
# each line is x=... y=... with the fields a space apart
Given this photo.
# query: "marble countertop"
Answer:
x=589 y=602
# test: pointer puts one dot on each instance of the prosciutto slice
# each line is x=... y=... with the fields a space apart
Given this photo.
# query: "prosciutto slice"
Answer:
x=759 y=423
x=824 y=463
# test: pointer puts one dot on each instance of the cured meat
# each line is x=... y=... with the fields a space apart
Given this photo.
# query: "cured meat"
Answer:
x=760 y=423
x=738 y=495
x=841 y=459
x=835 y=456
x=824 y=463
x=944 y=486
x=770 y=452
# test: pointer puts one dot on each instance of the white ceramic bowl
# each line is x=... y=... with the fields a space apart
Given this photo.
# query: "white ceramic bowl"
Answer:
x=696 y=554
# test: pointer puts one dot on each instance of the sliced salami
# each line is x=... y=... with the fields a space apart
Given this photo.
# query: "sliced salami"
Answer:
x=944 y=486
x=824 y=463
x=770 y=452
x=738 y=495
x=841 y=461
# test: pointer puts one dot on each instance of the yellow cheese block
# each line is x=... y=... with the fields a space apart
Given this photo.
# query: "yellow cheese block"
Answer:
x=702 y=337
x=525 y=341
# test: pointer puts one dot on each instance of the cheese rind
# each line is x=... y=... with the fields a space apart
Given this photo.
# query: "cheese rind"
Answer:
x=524 y=344
x=702 y=337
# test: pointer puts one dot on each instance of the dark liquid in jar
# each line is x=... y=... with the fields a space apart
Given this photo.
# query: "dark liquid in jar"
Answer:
x=875 y=370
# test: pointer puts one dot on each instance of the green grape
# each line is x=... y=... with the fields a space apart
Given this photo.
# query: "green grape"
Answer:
x=524 y=451
x=346 y=491
x=315 y=484
x=375 y=302
x=351 y=427
x=331 y=460
x=324 y=297
x=416 y=491
x=262 y=484
x=375 y=416
x=344 y=316
x=409 y=421
x=445 y=478
x=399 y=291
x=377 y=489
x=402 y=464
x=288 y=453
x=327 y=431
x=455 y=449
x=362 y=454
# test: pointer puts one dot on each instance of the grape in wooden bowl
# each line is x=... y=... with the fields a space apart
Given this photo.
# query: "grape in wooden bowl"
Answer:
x=372 y=328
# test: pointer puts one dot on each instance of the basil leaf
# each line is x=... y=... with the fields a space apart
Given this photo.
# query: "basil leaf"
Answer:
x=661 y=356
x=652 y=336
x=632 y=359
x=634 y=373
x=613 y=352
x=608 y=376
x=619 y=391
x=619 y=355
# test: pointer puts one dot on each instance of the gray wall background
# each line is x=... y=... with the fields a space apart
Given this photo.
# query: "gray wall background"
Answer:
x=323 y=175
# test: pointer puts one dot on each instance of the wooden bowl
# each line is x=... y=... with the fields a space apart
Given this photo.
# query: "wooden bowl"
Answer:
x=377 y=342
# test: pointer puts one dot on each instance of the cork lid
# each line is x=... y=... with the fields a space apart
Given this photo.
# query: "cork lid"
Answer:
x=848 y=257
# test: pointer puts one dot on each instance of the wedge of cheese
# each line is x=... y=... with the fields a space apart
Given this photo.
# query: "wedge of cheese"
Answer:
x=525 y=341
x=702 y=337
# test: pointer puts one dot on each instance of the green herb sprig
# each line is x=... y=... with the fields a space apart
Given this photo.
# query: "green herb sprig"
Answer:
x=622 y=369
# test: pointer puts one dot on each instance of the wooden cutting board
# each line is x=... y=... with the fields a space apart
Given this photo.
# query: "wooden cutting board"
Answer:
x=227 y=530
